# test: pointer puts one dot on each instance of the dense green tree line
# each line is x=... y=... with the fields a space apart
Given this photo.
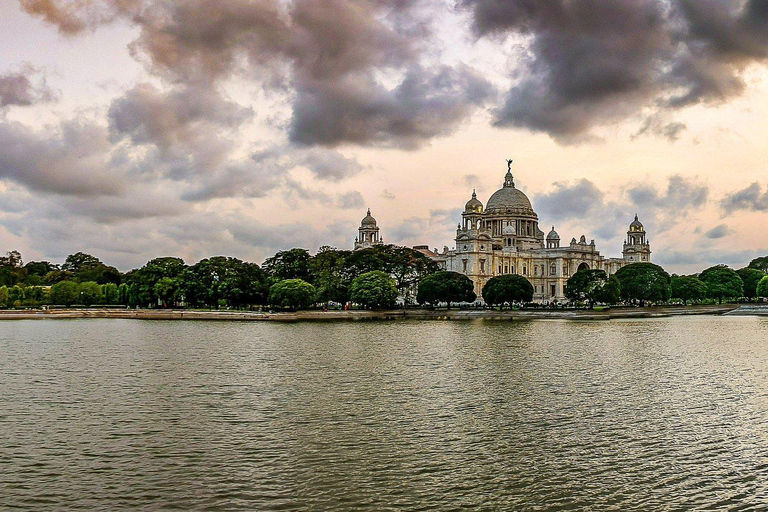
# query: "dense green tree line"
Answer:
x=218 y=281
x=647 y=282
x=373 y=277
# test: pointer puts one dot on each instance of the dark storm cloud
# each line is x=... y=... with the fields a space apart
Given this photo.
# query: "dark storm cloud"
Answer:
x=719 y=231
x=680 y=195
x=73 y=161
x=655 y=125
x=327 y=164
x=329 y=55
x=24 y=87
x=751 y=198
x=349 y=200
x=426 y=104
x=270 y=168
x=660 y=209
x=166 y=119
x=569 y=201
x=593 y=62
x=191 y=127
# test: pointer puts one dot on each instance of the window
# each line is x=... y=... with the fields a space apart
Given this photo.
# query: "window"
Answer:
x=465 y=265
x=553 y=270
x=552 y=290
x=525 y=271
x=506 y=269
x=482 y=266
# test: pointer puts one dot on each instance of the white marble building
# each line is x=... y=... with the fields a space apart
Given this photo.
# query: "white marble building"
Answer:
x=504 y=238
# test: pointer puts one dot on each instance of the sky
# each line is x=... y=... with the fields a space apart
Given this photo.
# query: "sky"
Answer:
x=134 y=129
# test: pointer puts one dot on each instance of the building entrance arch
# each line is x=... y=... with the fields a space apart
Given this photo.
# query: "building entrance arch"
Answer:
x=583 y=266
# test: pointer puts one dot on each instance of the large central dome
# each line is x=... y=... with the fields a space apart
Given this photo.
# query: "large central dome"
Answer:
x=508 y=197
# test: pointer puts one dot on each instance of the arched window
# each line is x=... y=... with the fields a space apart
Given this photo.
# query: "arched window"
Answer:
x=553 y=269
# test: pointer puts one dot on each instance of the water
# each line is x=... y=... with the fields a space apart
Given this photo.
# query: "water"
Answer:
x=651 y=414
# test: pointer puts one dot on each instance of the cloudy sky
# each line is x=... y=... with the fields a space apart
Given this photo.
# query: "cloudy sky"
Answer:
x=132 y=129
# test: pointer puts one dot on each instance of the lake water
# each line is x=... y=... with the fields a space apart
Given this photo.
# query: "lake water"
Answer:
x=627 y=414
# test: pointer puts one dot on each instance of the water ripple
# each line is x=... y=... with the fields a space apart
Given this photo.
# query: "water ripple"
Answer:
x=662 y=414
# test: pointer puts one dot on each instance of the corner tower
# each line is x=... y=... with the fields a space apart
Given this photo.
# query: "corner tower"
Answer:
x=636 y=247
x=368 y=233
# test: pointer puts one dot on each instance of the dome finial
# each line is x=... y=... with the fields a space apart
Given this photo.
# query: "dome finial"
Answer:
x=474 y=194
x=369 y=211
x=509 y=180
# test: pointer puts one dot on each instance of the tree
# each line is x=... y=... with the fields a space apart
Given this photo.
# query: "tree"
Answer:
x=326 y=270
x=586 y=285
x=147 y=277
x=11 y=270
x=750 y=277
x=57 y=275
x=89 y=293
x=244 y=284
x=762 y=287
x=722 y=282
x=36 y=295
x=111 y=293
x=4 y=296
x=11 y=259
x=687 y=288
x=36 y=272
x=406 y=266
x=85 y=267
x=643 y=282
x=445 y=286
x=507 y=288
x=128 y=294
x=760 y=263
x=610 y=293
x=374 y=289
x=293 y=293
x=166 y=290
x=16 y=296
x=64 y=293
x=221 y=278
x=291 y=264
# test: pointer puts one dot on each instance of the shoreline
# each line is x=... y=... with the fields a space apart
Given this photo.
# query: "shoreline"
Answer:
x=411 y=314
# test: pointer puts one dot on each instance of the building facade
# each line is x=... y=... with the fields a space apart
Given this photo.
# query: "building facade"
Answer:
x=504 y=237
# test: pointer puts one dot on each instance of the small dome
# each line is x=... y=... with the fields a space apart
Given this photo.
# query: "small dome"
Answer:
x=636 y=225
x=473 y=205
x=368 y=220
x=553 y=235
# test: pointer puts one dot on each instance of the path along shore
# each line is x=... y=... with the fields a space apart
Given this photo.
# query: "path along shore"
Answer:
x=410 y=314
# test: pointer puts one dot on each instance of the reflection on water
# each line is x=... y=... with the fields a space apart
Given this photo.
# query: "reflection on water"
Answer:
x=384 y=415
